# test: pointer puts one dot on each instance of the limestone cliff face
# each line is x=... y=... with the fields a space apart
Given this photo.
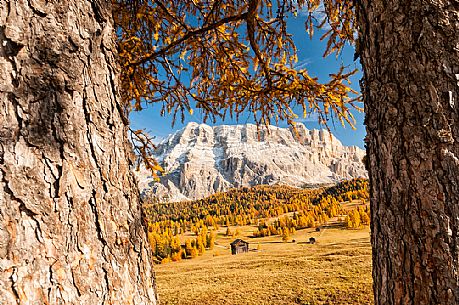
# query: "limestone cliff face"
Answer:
x=200 y=160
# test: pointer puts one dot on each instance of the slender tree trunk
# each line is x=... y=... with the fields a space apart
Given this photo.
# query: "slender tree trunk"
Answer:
x=410 y=56
x=71 y=230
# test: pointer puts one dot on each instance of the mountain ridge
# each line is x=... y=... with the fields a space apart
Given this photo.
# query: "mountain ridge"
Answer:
x=200 y=160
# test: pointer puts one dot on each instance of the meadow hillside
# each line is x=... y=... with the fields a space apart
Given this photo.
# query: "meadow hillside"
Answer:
x=334 y=270
x=192 y=241
x=184 y=230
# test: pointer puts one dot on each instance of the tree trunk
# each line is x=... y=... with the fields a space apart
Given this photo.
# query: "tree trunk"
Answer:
x=71 y=229
x=410 y=56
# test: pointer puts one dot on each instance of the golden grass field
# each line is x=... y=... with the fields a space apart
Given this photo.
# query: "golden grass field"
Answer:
x=334 y=270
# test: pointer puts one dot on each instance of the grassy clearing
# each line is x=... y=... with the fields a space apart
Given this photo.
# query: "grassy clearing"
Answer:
x=335 y=270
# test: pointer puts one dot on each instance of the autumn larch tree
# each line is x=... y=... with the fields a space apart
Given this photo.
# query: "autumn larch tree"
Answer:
x=70 y=220
x=410 y=56
x=71 y=228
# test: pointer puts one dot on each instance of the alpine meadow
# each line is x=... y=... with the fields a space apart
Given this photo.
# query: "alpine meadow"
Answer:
x=305 y=221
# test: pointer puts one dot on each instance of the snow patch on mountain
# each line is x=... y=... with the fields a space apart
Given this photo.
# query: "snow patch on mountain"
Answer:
x=200 y=160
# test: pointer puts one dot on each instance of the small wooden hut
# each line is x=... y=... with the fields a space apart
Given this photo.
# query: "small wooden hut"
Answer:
x=239 y=246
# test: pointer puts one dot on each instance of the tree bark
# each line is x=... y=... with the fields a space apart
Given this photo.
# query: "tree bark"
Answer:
x=71 y=229
x=410 y=56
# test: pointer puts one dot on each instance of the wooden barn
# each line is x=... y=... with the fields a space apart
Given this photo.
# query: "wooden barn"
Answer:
x=239 y=246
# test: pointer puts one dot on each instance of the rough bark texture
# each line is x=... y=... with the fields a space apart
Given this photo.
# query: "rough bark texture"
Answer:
x=410 y=55
x=70 y=222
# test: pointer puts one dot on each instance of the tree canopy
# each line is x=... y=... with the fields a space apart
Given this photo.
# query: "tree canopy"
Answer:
x=230 y=57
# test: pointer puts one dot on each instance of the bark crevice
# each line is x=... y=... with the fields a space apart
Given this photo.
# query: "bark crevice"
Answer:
x=408 y=62
x=69 y=207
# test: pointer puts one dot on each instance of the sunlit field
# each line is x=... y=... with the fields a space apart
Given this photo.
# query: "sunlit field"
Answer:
x=334 y=270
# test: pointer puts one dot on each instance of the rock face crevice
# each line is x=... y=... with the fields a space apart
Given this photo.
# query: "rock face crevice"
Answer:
x=200 y=160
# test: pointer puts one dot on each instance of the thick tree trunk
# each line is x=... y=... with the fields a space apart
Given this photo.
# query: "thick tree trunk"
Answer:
x=70 y=221
x=410 y=56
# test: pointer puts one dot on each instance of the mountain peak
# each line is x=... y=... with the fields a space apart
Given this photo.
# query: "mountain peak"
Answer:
x=200 y=159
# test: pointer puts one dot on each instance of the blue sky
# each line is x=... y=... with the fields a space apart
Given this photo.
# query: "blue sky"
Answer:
x=309 y=57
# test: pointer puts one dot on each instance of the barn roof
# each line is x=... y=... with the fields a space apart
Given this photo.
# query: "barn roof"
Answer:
x=238 y=241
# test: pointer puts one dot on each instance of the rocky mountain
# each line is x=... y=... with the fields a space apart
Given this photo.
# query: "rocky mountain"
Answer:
x=200 y=160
